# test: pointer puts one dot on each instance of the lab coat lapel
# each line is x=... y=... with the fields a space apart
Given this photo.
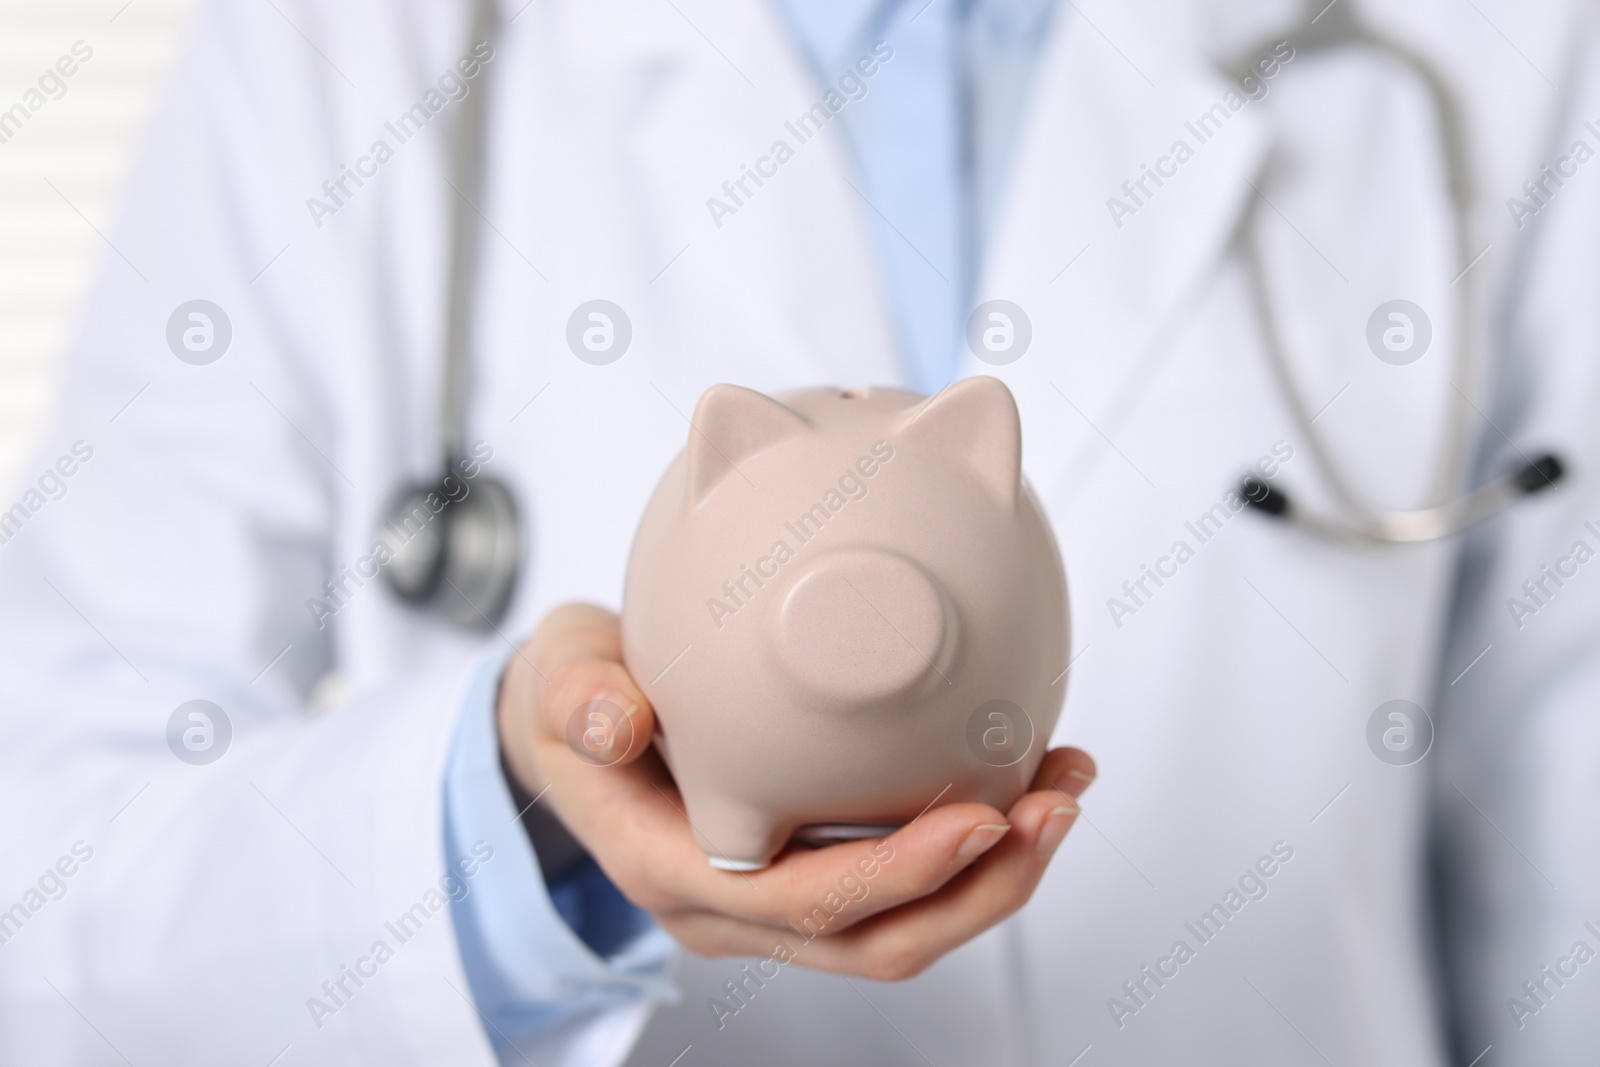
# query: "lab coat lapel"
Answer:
x=1104 y=269
x=775 y=273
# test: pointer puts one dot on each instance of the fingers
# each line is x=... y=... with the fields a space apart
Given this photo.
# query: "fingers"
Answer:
x=574 y=721
x=1066 y=770
x=902 y=942
x=906 y=941
x=896 y=944
x=569 y=632
x=918 y=860
x=576 y=631
x=873 y=875
x=567 y=683
x=594 y=706
x=871 y=938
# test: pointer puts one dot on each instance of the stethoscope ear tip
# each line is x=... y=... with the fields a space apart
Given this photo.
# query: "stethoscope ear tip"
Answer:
x=1263 y=497
x=1542 y=472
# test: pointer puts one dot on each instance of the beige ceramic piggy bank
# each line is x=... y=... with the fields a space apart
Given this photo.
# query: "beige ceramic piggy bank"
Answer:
x=845 y=606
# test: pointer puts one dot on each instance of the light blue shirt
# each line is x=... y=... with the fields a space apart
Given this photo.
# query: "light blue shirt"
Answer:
x=536 y=956
x=931 y=142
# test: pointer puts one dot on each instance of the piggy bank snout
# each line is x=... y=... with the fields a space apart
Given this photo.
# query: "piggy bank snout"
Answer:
x=862 y=626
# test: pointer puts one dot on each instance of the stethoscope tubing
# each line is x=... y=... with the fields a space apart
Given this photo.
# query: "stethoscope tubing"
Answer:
x=1362 y=523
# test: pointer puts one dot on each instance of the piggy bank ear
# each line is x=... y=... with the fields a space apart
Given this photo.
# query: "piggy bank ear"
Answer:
x=975 y=422
x=730 y=425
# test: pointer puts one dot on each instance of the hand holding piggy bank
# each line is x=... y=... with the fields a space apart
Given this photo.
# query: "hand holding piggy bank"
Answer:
x=845 y=607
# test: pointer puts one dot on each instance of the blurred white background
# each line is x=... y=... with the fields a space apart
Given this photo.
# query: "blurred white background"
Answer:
x=59 y=178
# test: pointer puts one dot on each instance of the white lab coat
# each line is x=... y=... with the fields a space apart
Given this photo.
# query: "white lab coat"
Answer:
x=1228 y=713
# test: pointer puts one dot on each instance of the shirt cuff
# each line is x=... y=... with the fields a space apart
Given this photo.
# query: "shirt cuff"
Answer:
x=526 y=947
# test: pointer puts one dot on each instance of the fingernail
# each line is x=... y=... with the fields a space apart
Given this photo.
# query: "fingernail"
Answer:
x=1055 y=827
x=1072 y=782
x=619 y=734
x=981 y=840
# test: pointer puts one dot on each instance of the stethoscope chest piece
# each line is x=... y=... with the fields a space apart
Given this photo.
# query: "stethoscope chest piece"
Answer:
x=455 y=546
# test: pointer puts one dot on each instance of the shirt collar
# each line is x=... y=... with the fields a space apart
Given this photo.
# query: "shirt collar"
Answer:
x=827 y=29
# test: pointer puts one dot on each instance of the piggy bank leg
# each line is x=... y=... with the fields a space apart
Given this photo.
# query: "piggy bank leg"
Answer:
x=733 y=837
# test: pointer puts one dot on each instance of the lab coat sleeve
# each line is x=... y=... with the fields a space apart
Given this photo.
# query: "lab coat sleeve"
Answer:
x=269 y=881
x=538 y=958
x=1515 y=773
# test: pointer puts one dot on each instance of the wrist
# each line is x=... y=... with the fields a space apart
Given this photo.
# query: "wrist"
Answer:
x=554 y=846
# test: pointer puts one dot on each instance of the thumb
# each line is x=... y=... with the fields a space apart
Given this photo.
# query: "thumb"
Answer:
x=594 y=706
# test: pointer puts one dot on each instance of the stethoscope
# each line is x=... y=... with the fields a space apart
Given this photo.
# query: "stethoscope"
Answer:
x=1336 y=26
x=456 y=542
x=464 y=563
